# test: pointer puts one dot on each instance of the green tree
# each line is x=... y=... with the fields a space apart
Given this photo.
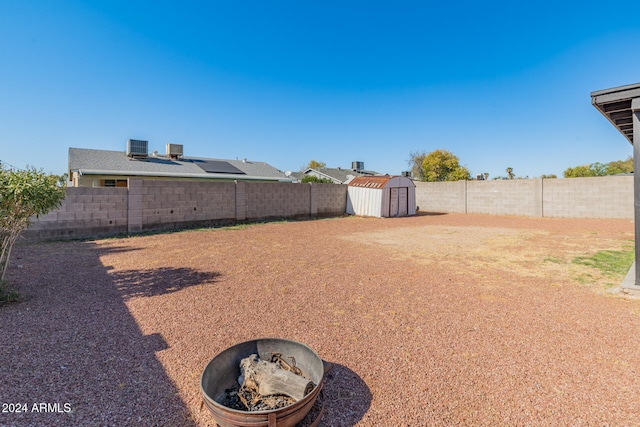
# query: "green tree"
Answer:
x=24 y=194
x=600 y=169
x=579 y=172
x=313 y=178
x=442 y=165
x=415 y=164
x=620 y=166
x=314 y=164
x=510 y=173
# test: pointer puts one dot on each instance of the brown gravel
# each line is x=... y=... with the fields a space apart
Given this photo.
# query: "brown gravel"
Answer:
x=438 y=320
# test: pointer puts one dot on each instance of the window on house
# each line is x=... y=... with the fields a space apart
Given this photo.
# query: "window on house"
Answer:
x=113 y=183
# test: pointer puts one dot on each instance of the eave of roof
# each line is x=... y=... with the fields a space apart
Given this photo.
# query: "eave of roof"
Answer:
x=615 y=105
x=339 y=175
x=183 y=175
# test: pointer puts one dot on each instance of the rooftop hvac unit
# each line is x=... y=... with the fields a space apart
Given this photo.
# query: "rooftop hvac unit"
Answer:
x=137 y=148
x=174 y=150
x=406 y=173
x=357 y=166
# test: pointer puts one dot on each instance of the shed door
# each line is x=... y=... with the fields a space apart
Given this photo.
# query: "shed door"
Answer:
x=402 y=201
x=393 y=202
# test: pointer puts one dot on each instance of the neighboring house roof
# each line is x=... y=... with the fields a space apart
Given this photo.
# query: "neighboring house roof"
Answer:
x=103 y=162
x=337 y=175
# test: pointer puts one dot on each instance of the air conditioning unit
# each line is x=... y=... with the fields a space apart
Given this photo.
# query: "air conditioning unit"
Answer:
x=174 y=150
x=137 y=148
x=406 y=173
x=357 y=166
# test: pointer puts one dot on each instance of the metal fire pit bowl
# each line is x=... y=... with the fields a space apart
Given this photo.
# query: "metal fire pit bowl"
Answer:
x=223 y=371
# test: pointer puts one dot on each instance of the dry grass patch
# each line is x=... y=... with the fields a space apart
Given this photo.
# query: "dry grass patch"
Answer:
x=558 y=257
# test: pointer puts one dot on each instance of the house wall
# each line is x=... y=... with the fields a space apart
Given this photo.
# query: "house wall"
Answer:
x=597 y=197
x=148 y=205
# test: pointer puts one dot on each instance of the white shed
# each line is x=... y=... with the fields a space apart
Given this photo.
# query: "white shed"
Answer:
x=381 y=196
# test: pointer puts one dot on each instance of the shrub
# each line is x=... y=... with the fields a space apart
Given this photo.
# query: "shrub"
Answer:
x=24 y=194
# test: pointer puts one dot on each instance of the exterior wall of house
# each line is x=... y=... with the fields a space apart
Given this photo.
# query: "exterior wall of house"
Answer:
x=121 y=180
x=148 y=205
x=597 y=197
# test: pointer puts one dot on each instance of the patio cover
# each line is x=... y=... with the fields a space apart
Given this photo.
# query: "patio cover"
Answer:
x=621 y=106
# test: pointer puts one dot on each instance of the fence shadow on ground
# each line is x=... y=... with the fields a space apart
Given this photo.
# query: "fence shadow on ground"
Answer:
x=346 y=397
x=73 y=344
x=159 y=281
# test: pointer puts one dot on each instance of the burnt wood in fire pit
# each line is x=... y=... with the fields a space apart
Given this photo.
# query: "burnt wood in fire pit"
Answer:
x=271 y=385
x=222 y=372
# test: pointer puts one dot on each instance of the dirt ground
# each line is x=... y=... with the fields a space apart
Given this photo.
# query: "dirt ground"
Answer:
x=431 y=320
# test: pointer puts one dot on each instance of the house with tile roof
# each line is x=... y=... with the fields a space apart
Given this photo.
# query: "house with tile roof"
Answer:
x=104 y=168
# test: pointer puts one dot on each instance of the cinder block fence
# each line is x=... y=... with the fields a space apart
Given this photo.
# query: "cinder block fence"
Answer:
x=597 y=197
x=148 y=205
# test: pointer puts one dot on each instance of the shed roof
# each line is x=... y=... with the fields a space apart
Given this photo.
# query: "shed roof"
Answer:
x=615 y=105
x=380 y=181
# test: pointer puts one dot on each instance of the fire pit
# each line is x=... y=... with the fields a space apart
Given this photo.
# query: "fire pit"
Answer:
x=222 y=372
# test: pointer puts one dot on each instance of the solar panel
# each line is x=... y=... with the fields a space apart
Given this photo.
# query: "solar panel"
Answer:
x=218 y=166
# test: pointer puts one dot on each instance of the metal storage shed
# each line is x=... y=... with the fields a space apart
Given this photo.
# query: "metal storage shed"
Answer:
x=381 y=196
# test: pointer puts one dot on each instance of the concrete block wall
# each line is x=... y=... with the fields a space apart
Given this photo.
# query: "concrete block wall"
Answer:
x=597 y=197
x=520 y=197
x=277 y=200
x=601 y=197
x=85 y=212
x=159 y=205
x=156 y=205
x=441 y=196
x=328 y=199
x=171 y=204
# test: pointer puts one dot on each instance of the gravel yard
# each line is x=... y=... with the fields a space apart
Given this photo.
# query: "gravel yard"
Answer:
x=439 y=320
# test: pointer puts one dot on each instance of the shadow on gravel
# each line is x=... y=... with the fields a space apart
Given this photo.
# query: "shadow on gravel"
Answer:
x=72 y=354
x=346 y=397
x=148 y=283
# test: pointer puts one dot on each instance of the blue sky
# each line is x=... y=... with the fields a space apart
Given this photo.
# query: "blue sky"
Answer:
x=499 y=84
